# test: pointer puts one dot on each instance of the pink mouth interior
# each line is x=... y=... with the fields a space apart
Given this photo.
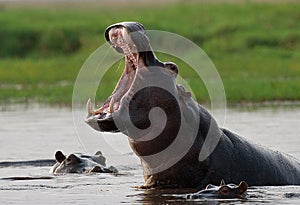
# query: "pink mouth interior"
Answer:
x=120 y=38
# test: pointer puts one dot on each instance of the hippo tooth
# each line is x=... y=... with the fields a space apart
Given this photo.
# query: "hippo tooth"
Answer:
x=89 y=107
x=111 y=105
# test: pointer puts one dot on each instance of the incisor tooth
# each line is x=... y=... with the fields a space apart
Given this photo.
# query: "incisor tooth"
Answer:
x=111 y=105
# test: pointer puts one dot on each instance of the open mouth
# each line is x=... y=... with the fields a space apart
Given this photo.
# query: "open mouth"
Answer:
x=128 y=38
x=119 y=37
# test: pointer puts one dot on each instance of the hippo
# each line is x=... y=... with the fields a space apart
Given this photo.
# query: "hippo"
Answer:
x=80 y=163
x=135 y=106
x=224 y=191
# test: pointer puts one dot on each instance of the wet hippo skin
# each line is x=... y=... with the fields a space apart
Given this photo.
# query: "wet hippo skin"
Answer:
x=234 y=159
x=224 y=191
x=80 y=163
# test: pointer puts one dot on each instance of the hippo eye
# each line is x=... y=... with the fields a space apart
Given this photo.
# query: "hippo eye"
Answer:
x=69 y=160
x=172 y=66
x=72 y=159
x=224 y=190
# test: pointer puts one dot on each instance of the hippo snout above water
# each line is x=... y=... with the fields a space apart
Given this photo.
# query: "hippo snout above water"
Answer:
x=169 y=144
x=81 y=163
x=224 y=191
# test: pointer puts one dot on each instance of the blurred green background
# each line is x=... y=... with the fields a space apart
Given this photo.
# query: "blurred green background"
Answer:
x=255 y=46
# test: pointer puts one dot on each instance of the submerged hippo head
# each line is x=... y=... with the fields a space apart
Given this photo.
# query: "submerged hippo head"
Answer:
x=224 y=191
x=80 y=163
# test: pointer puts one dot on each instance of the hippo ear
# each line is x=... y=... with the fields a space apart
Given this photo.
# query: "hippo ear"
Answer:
x=210 y=186
x=242 y=188
x=59 y=156
x=98 y=153
x=99 y=158
x=222 y=183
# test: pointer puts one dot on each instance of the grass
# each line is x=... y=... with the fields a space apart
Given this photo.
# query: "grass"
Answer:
x=255 y=47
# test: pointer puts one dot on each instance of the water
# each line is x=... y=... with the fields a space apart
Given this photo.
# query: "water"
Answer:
x=36 y=132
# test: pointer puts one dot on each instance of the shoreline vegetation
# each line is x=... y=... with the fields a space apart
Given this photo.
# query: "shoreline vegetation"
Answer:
x=254 y=46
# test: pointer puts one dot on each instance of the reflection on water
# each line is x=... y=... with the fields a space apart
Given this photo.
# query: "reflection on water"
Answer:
x=36 y=132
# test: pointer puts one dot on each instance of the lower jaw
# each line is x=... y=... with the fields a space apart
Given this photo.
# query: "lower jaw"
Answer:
x=108 y=125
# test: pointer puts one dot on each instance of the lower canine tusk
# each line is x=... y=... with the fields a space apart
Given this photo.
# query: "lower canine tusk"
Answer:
x=89 y=107
x=111 y=105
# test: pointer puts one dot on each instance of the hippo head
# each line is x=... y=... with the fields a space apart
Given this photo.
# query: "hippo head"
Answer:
x=224 y=191
x=78 y=163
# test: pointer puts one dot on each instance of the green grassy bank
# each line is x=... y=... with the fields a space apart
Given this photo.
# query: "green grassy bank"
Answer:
x=255 y=47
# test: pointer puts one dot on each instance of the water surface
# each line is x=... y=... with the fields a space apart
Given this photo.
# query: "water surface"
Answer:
x=36 y=132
